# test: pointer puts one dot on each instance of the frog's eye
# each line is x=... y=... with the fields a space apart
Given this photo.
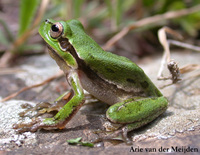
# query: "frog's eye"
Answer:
x=56 y=30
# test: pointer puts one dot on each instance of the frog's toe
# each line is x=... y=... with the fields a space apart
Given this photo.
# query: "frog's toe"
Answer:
x=118 y=135
x=40 y=123
x=40 y=108
x=23 y=127
x=56 y=106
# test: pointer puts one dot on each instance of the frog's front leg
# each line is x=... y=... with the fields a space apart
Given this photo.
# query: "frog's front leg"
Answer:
x=134 y=113
x=64 y=115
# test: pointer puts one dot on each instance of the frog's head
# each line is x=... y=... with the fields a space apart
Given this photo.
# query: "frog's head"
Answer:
x=57 y=35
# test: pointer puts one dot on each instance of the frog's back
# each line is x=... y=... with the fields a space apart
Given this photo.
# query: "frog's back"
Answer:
x=114 y=69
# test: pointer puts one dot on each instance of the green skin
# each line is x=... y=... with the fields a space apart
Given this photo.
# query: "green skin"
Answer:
x=134 y=99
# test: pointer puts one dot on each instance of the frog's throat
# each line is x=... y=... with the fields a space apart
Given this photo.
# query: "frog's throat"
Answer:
x=59 y=60
x=65 y=47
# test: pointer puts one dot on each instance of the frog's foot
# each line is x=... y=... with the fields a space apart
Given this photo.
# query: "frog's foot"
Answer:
x=39 y=108
x=42 y=108
x=40 y=123
x=119 y=135
x=46 y=107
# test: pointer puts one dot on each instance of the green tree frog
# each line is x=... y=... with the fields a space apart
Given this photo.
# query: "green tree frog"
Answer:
x=134 y=100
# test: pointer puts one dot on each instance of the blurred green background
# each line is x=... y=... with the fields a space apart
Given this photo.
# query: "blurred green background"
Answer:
x=102 y=19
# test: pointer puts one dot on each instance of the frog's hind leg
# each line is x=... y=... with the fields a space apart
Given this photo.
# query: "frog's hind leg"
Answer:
x=140 y=111
x=135 y=113
x=60 y=102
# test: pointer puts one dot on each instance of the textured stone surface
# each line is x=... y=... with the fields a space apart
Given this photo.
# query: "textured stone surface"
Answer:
x=178 y=126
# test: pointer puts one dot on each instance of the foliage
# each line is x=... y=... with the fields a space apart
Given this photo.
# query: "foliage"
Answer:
x=77 y=141
x=27 y=12
x=28 y=9
x=109 y=16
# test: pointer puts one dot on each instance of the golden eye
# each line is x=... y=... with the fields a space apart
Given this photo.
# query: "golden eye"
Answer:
x=56 y=30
